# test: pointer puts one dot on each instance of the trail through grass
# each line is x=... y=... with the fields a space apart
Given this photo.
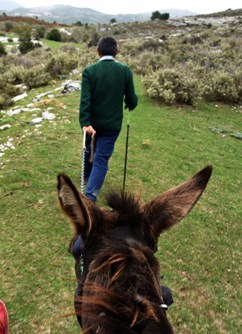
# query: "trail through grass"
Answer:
x=200 y=258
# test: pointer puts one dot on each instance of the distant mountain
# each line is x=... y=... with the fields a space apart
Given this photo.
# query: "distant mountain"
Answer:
x=9 y=5
x=226 y=13
x=70 y=14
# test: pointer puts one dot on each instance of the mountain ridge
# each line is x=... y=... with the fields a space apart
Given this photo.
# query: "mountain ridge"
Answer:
x=71 y=14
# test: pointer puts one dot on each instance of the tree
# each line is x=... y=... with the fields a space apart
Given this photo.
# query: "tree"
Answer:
x=158 y=16
x=78 y=23
x=113 y=20
x=26 y=43
x=165 y=16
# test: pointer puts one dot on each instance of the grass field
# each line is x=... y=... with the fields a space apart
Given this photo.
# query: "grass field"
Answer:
x=200 y=258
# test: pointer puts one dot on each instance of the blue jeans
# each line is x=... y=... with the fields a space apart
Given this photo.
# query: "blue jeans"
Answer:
x=95 y=172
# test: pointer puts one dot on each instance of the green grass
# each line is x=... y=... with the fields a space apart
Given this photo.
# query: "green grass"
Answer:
x=52 y=44
x=200 y=258
x=56 y=45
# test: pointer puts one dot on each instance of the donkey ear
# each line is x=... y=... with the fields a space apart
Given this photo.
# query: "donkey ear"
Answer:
x=172 y=206
x=74 y=205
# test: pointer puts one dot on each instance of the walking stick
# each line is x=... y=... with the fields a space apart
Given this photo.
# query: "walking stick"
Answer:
x=126 y=150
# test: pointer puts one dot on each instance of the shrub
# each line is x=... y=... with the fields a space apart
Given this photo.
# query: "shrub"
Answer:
x=36 y=77
x=69 y=48
x=131 y=48
x=14 y=75
x=26 y=46
x=94 y=39
x=5 y=100
x=2 y=50
x=76 y=35
x=147 y=62
x=150 y=45
x=171 y=86
x=39 y=32
x=54 y=35
x=26 y=43
x=8 y=26
x=7 y=91
x=220 y=87
x=61 y=64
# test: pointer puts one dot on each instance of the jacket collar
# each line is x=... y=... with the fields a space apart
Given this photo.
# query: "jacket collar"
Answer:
x=106 y=58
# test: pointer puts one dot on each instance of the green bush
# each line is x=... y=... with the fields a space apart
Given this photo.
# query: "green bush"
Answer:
x=76 y=35
x=94 y=39
x=37 y=56
x=25 y=42
x=36 y=77
x=5 y=100
x=147 y=62
x=14 y=75
x=171 y=86
x=7 y=91
x=8 y=26
x=54 y=35
x=61 y=64
x=220 y=87
x=39 y=32
x=2 y=50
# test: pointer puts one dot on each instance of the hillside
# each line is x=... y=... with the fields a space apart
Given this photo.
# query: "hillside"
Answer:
x=226 y=13
x=71 y=14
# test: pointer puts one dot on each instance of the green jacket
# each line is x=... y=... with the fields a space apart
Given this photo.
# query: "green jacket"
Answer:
x=105 y=86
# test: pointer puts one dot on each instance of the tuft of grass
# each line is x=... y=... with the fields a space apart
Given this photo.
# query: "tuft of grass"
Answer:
x=199 y=258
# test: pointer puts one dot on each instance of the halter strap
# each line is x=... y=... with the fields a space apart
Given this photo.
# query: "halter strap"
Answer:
x=164 y=307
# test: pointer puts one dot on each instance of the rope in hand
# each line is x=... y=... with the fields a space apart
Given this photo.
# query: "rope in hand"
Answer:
x=126 y=150
x=83 y=161
x=84 y=149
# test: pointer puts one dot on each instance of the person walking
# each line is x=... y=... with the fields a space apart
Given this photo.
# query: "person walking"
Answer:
x=106 y=86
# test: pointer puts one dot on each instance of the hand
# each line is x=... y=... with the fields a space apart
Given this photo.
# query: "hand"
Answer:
x=89 y=130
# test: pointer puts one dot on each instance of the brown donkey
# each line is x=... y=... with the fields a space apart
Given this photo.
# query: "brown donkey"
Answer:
x=121 y=281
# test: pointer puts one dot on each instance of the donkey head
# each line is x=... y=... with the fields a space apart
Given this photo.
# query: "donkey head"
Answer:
x=119 y=246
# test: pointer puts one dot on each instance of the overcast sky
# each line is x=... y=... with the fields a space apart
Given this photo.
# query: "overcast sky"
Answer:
x=139 y=6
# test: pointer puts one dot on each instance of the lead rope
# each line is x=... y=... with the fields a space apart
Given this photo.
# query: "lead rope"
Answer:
x=84 y=149
x=83 y=161
x=126 y=151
